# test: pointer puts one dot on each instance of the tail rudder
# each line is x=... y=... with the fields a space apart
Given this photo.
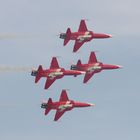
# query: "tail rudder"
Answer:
x=50 y=102
x=48 y=108
x=92 y=58
x=68 y=35
x=79 y=62
x=38 y=76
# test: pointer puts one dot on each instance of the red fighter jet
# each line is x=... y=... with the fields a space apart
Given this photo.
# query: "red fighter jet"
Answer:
x=92 y=67
x=63 y=105
x=83 y=35
x=55 y=72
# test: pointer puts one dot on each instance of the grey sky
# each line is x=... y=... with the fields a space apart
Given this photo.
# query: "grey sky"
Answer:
x=116 y=93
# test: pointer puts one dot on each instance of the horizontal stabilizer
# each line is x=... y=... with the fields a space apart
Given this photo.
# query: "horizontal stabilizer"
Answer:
x=49 y=104
x=79 y=62
x=39 y=74
x=68 y=35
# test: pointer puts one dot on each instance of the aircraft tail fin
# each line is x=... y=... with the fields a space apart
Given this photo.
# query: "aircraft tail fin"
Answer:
x=38 y=76
x=79 y=62
x=49 y=104
x=68 y=35
x=54 y=63
x=92 y=58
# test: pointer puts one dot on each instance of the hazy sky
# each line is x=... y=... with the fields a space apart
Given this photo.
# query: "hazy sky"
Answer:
x=29 y=37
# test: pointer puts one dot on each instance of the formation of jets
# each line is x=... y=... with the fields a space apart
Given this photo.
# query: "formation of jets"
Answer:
x=55 y=72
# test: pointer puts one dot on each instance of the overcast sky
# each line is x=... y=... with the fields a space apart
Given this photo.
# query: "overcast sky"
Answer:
x=29 y=37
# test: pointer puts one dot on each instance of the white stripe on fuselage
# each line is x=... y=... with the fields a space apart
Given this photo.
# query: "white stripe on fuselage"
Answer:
x=95 y=67
x=84 y=37
x=58 y=72
x=65 y=106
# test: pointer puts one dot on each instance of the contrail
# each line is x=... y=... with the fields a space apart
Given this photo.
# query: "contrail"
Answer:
x=16 y=105
x=12 y=36
x=4 y=68
x=6 y=36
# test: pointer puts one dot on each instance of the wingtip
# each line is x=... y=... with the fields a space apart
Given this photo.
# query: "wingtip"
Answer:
x=85 y=81
x=74 y=51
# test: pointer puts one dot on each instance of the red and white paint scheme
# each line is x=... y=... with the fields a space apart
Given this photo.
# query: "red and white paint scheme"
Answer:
x=92 y=67
x=55 y=72
x=83 y=35
x=63 y=105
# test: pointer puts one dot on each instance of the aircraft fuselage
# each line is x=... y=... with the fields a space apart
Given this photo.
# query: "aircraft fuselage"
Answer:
x=57 y=73
x=84 y=36
x=67 y=105
x=95 y=67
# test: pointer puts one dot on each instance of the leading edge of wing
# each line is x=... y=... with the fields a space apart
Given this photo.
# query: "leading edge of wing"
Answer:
x=88 y=76
x=58 y=114
x=49 y=82
x=77 y=45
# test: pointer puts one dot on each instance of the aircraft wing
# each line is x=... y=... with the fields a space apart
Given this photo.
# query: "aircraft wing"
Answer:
x=77 y=45
x=58 y=114
x=88 y=76
x=64 y=96
x=92 y=58
x=49 y=82
x=82 y=26
x=54 y=63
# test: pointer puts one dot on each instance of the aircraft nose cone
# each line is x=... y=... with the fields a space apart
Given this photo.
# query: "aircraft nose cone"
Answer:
x=119 y=66
x=98 y=35
x=108 y=66
x=108 y=36
x=91 y=104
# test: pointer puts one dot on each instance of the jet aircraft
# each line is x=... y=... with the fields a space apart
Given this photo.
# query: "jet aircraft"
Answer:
x=92 y=67
x=63 y=105
x=55 y=72
x=83 y=35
